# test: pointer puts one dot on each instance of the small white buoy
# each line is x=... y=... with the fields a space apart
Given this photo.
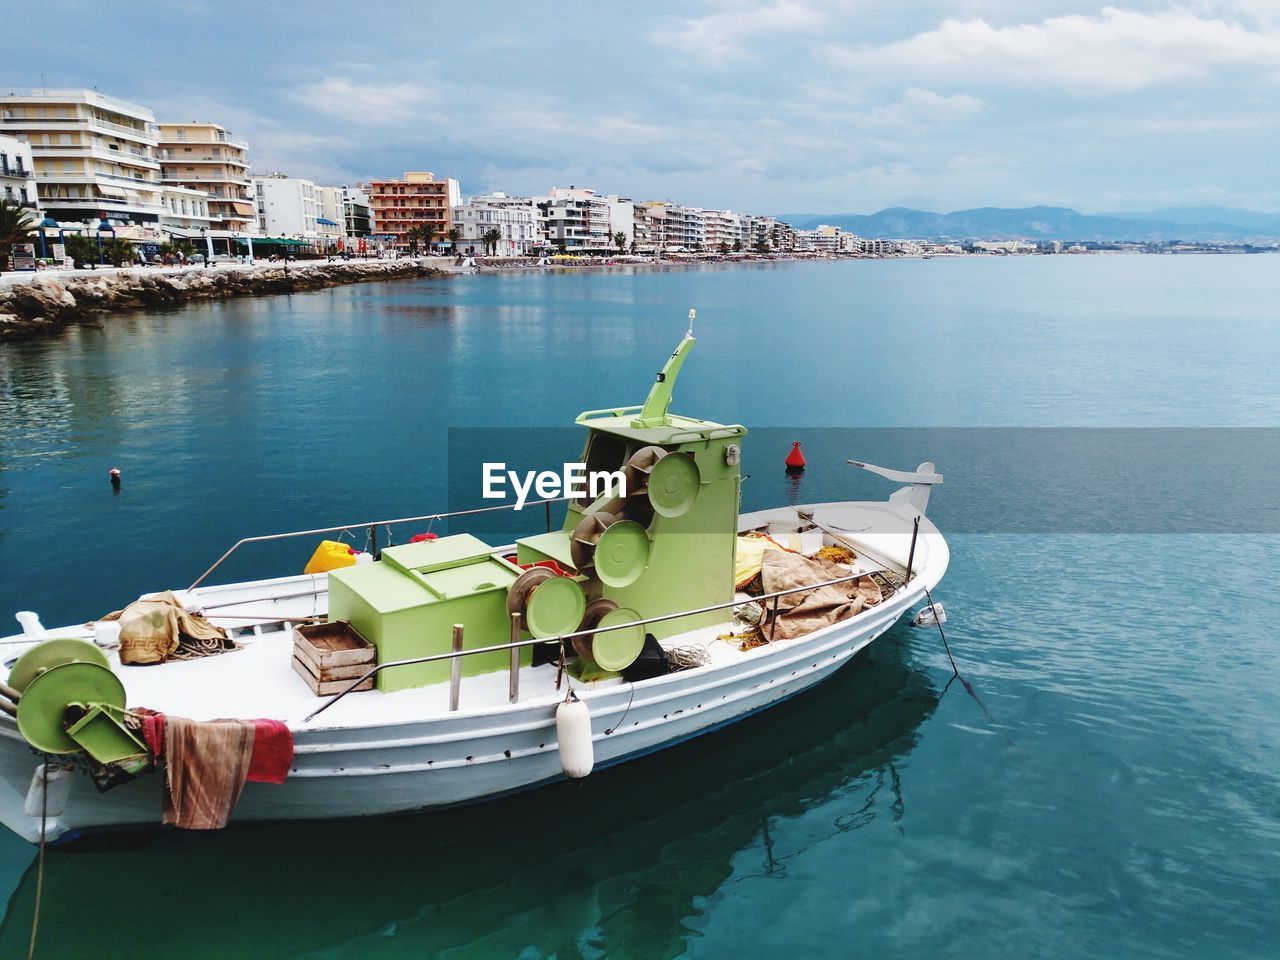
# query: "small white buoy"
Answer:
x=930 y=616
x=573 y=730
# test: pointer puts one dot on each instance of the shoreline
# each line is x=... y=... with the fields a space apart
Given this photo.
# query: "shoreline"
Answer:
x=47 y=303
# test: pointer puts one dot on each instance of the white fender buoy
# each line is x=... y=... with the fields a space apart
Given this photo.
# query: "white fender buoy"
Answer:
x=56 y=781
x=573 y=730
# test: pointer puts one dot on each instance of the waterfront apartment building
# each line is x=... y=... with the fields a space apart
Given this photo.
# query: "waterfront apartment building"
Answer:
x=650 y=226
x=515 y=222
x=17 y=173
x=287 y=206
x=187 y=212
x=824 y=238
x=206 y=157
x=773 y=234
x=331 y=222
x=417 y=200
x=575 y=219
x=357 y=214
x=94 y=156
x=722 y=229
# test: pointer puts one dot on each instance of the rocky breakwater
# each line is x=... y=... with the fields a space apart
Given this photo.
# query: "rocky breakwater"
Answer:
x=48 y=302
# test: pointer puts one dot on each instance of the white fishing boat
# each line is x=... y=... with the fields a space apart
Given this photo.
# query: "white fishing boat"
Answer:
x=540 y=679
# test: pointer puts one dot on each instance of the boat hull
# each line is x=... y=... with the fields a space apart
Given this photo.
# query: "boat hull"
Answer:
x=465 y=757
x=369 y=769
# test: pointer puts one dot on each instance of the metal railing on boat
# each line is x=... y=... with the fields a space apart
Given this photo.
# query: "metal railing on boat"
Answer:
x=372 y=527
x=456 y=653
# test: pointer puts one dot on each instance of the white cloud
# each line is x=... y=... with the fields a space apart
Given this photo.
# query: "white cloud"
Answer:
x=1115 y=51
x=920 y=106
x=720 y=37
x=366 y=103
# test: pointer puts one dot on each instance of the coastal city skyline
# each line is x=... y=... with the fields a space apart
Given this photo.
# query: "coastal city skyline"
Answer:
x=778 y=108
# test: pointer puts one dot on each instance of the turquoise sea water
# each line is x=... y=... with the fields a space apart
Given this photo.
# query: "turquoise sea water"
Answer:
x=1121 y=800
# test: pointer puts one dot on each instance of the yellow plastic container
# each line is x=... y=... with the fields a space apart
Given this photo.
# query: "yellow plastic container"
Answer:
x=330 y=555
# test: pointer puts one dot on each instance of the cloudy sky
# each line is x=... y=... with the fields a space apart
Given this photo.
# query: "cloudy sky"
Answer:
x=823 y=106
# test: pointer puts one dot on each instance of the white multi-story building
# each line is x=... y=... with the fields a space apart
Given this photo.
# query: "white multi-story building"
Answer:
x=686 y=228
x=849 y=243
x=515 y=223
x=575 y=218
x=773 y=234
x=622 y=220
x=822 y=239
x=724 y=229
x=17 y=174
x=331 y=217
x=187 y=212
x=93 y=155
x=287 y=206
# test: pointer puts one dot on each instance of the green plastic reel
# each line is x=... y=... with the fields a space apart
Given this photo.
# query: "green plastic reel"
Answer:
x=622 y=553
x=43 y=707
x=673 y=485
x=50 y=654
x=617 y=649
x=555 y=607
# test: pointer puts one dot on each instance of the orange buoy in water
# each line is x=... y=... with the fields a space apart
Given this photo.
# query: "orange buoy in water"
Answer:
x=795 y=459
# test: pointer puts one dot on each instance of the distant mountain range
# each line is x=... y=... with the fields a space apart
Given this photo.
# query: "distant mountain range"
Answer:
x=1197 y=224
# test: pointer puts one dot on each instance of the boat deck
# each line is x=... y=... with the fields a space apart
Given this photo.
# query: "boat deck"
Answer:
x=258 y=680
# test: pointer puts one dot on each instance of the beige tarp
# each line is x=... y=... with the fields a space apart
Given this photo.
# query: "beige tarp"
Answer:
x=801 y=613
x=748 y=556
x=150 y=630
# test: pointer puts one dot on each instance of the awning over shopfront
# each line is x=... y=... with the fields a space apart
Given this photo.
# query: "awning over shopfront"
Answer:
x=276 y=241
x=327 y=223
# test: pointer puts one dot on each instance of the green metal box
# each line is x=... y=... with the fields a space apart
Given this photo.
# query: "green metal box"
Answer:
x=407 y=603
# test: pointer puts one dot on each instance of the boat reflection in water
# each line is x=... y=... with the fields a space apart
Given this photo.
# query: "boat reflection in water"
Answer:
x=618 y=862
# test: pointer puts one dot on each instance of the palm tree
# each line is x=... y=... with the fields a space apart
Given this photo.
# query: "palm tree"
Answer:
x=16 y=226
x=620 y=241
x=454 y=236
x=490 y=239
x=81 y=249
x=419 y=234
x=119 y=252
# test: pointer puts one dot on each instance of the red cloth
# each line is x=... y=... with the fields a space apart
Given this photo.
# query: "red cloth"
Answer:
x=551 y=565
x=272 y=752
x=152 y=732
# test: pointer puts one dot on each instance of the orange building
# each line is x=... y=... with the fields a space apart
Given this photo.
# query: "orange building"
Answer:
x=416 y=201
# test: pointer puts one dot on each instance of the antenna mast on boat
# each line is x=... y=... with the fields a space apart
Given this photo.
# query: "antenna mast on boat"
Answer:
x=654 y=411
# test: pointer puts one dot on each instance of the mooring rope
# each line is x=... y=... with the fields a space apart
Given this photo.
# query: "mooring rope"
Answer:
x=44 y=819
x=955 y=670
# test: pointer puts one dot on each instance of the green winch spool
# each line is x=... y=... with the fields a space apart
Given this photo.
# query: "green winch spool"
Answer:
x=555 y=607
x=72 y=702
x=622 y=553
x=50 y=654
x=617 y=649
x=673 y=485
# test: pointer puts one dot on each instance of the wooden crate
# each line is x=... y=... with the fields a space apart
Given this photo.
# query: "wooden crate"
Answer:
x=330 y=655
x=327 y=688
